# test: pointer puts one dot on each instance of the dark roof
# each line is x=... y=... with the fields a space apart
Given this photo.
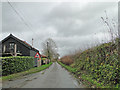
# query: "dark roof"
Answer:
x=30 y=46
x=43 y=56
x=21 y=41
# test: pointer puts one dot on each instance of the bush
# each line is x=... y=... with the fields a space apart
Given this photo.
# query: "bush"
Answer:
x=67 y=60
x=16 y=64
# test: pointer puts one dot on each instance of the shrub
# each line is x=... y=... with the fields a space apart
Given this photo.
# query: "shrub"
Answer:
x=67 y=60
x=16 y=64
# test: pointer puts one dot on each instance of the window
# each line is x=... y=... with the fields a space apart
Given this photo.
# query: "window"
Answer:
x=12 y=45
x=4 y=48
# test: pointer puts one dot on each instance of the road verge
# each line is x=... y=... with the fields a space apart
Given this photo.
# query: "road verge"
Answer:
x=86 y=80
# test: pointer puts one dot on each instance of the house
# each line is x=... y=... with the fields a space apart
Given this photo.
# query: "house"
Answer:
x=12 y=46
x=44 y=60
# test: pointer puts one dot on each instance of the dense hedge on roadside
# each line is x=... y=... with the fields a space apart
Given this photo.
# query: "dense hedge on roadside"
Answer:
x=101 y=63
x=16 y=64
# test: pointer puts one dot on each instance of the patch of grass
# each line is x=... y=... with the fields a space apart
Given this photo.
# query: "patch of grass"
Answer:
x=92 y=82
x=73 y=70
x=30 y=71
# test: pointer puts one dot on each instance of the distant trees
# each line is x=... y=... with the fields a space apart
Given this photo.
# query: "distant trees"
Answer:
x=50 y=49
x=68 y=60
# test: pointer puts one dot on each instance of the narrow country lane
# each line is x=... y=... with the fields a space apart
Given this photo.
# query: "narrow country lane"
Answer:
x=53 y=77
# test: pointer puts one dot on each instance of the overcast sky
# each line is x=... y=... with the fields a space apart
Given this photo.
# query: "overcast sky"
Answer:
x=72 y=25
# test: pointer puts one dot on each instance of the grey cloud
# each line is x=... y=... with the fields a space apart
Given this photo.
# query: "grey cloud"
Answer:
x=65 y=16
x=71 y=25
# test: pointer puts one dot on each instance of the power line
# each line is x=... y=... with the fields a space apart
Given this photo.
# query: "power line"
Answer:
x=19 y=15
x=22 y=19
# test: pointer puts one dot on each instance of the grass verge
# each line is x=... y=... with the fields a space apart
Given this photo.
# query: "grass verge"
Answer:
x=86 y=79
x=73 y=70
x=30 y=71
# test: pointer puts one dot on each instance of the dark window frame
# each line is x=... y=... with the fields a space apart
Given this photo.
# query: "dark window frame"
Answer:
x=11 y=45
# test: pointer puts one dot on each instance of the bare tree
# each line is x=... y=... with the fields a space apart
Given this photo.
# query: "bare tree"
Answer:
x=50 y=49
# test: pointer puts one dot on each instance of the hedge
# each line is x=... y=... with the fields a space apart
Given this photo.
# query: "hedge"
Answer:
x=101 y=63
x=16 y=64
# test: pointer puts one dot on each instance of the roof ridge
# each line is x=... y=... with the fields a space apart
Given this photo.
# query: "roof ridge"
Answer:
x=23 y=42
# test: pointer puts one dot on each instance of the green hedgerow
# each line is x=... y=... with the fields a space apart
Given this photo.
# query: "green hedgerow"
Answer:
x=16 y=64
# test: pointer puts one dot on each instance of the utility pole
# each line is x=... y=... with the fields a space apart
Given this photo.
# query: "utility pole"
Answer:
x=32 y=42
x=48 y=51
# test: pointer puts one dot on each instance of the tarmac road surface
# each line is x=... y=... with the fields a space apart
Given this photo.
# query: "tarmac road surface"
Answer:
x=53 y=77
